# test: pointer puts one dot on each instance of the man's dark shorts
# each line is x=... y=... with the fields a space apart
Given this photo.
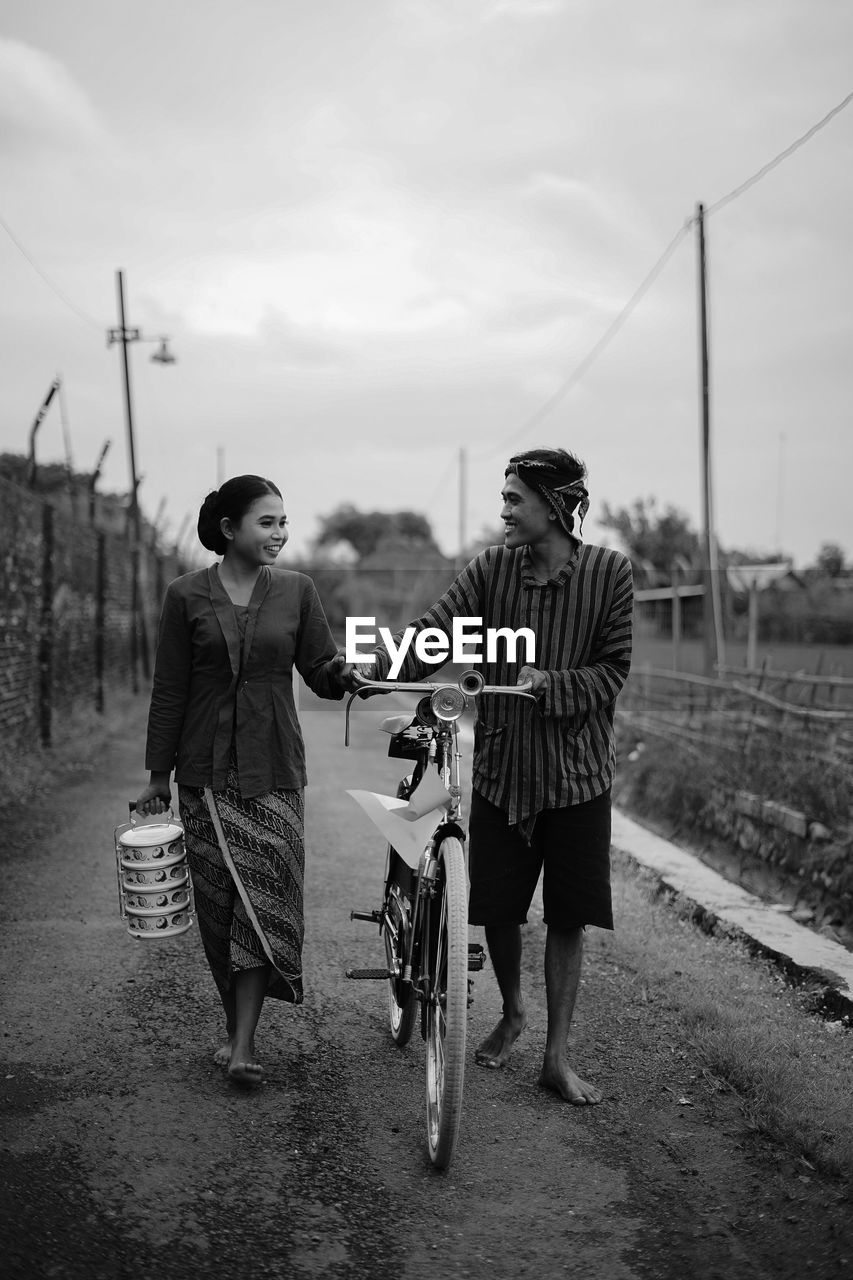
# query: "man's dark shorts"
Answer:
x=573 y=845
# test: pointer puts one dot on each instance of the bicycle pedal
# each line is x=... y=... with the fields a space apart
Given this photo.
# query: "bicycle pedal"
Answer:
x=372 y=917
x=363 y=974
x=476 y=957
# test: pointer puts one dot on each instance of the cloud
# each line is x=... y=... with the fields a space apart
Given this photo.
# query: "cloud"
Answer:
x=325 y=290
x=560 y=189
x=40 y=103
x=493 y=9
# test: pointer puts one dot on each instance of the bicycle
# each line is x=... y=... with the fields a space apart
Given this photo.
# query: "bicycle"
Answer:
x=423 y=918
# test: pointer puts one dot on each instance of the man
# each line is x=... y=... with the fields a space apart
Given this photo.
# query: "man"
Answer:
x=541 y=774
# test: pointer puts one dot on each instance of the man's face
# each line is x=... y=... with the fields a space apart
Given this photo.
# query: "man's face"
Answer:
x=525 y=514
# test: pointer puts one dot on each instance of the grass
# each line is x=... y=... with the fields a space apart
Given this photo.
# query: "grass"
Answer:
x=671 y=779
x=792 y=1071
x=687 y=794
x=780 y=656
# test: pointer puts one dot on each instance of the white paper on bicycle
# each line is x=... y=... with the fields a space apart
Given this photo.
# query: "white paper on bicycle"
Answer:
x=406 y=824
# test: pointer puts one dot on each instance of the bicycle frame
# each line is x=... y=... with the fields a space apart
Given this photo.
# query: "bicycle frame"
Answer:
x=418 y=965
x=423 y=916
x=447 y=712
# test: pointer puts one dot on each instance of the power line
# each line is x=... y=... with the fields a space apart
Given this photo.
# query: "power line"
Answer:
x=630 y=305
x=593 y=354
x=47 y=280
x=783 y=155
x=616 y=324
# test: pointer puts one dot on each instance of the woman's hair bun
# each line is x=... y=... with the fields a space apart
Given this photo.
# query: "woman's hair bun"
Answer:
x=230 y=502
x=209 y=532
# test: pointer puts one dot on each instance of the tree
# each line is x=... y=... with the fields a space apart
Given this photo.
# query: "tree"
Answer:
x=489 y=536
x=365 y=530
x=653 y=538
x=830 y=560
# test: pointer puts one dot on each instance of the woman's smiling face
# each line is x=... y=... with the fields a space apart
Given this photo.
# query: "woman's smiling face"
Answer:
x=261 y=534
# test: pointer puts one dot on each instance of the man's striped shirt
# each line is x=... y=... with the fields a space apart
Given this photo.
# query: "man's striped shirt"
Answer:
x=527 y=759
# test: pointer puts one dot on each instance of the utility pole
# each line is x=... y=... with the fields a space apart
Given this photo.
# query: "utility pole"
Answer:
x=463 y=502
x=125 y=336
x=162 y=355
x=66 y=431
x=183 y=530
x=66 y=442
x=780 y=489
x=713 y=643
x=158 y=520
x=138 y=633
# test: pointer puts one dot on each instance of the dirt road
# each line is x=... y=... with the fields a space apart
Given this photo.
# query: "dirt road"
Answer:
x=126 y=1153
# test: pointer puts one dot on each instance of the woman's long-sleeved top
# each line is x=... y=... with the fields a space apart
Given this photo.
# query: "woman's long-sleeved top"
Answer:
x=211 y=689
x=563 y=754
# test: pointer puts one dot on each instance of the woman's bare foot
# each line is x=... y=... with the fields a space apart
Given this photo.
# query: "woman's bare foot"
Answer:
x=561 y=1080
x=496 y=1048
x=243 y=1067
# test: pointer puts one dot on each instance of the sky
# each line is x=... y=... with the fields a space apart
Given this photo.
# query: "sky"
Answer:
x=383 y=237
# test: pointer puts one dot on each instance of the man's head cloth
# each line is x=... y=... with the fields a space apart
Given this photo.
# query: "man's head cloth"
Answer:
x=559 y=477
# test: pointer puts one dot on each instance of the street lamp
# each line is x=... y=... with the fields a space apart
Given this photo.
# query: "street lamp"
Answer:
x=163 y=355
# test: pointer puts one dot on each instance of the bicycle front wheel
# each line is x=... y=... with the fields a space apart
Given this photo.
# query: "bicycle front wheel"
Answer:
x=447 y=1010
x=402 y=1004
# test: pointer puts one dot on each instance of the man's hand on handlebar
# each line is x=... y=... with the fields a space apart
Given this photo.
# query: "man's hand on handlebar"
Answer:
x=536 y=679
x=360 y=671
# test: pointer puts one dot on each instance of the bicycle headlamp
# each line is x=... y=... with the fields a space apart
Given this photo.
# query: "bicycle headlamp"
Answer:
x=448 y=703
x=424 y=713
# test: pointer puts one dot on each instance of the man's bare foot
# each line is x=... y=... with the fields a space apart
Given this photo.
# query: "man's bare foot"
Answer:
x=563 y=1081
x=496 y=1048
x=248 y=1074
x=222 y=1056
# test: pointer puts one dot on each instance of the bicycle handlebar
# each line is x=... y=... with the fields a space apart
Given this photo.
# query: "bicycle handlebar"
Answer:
x=430 y=686
x=470 y=684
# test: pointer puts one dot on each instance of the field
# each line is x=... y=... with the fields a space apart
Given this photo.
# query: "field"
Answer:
x=836 y=660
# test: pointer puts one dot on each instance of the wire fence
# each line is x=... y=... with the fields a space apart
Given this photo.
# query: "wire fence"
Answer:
x=78 y=608
x=744 y=709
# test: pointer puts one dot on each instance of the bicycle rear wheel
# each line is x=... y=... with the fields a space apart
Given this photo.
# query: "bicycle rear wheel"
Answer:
x=447 y=1010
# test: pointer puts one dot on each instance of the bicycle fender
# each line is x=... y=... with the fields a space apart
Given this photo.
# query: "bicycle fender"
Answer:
x=447 y=829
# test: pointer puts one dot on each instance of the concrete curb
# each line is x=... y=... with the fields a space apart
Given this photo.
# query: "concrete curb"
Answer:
x=796 y=949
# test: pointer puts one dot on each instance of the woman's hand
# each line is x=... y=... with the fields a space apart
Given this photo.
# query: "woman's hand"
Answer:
x=340 y=670
x=343 y=671
x=156 y=798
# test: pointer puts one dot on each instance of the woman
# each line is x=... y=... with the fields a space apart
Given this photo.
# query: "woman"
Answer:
x=223 y=717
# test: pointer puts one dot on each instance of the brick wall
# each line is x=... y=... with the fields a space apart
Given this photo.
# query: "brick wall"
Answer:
x=65 y=614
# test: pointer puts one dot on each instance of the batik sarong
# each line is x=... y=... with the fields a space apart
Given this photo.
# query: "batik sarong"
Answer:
x=266 y=840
